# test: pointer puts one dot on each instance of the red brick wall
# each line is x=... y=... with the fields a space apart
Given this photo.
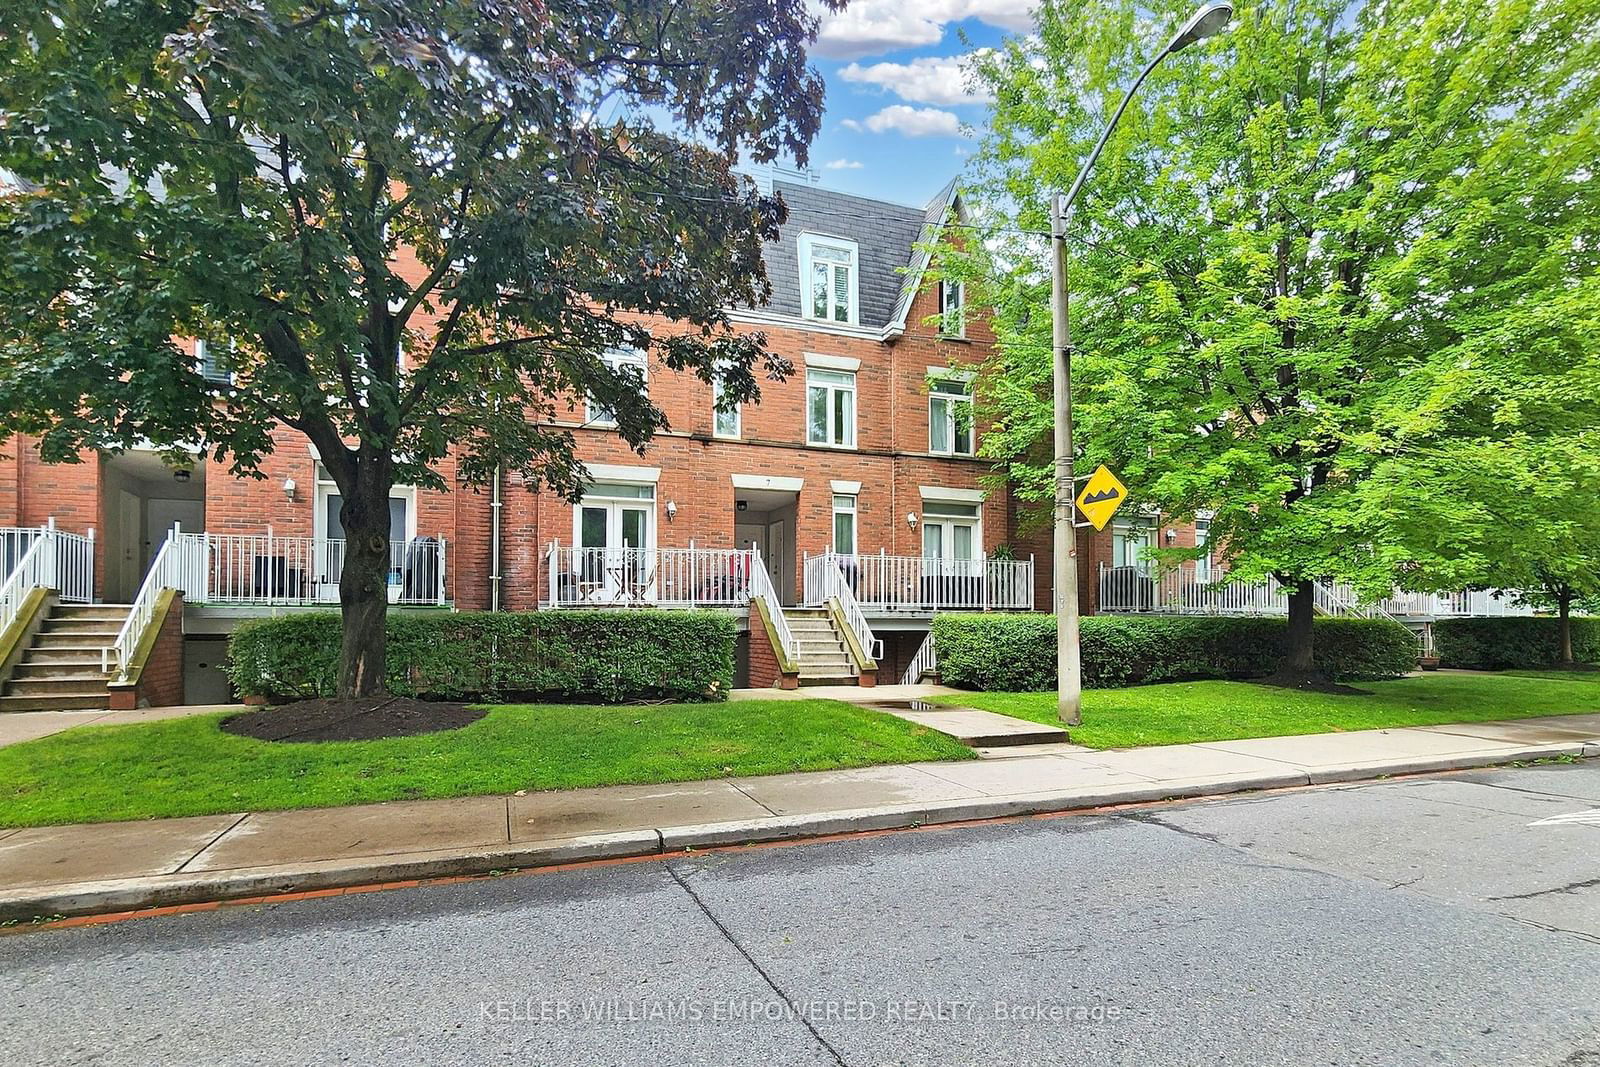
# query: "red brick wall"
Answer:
x=161 y=681
x=764 y=669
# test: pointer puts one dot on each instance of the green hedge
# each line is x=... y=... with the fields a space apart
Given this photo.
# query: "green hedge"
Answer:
x=1017 y=653
x=566 y=656
x=1509 y=643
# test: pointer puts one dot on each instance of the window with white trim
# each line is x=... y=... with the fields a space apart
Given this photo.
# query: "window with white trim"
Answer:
x=950 y=417
x=725 y=422
x=828 y=278
x=831 y=408
x=1129 y=542
x=953 y=309
x=619 y=360
x=1202 y=539
x=844 y=524
x=206 y=361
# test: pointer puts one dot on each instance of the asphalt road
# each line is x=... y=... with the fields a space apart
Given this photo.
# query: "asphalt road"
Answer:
x=1451 y=920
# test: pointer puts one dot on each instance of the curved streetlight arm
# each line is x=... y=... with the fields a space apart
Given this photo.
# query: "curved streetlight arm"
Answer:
x=1105 y=134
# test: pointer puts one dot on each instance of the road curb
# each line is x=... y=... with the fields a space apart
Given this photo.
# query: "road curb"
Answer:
x=174 y=890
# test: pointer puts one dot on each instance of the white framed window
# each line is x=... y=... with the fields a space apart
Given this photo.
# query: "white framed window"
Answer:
x=724 y=422
x=831 y=408
x=950 y=430
x=620 y=360
x=614 y=530
x=951 y=531
x=1129 y=542
x=326 y=523
x=828 y=279
x=953 y=309
x=844 y=524
x=208 y=363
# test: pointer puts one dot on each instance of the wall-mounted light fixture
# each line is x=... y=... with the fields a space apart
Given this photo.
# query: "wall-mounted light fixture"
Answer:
x=743 y=505
x=672 y=510
x=288 y=488
x=1172 y=535
x=181 y=475
x=911 y=519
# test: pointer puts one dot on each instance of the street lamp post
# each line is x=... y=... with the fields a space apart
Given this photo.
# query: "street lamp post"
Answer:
x=1207 y=21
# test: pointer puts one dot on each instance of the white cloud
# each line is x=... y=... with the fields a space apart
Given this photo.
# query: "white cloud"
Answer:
x=844 y=164
x=911 y=121
x=925 y=80
x=872 y=27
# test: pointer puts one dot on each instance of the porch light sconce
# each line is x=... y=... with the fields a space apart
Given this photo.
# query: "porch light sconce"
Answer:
x=911 y=519
x=181 y=474
x=288 y=488
x=672 y=510
x=1172 y=535
x=743 y=505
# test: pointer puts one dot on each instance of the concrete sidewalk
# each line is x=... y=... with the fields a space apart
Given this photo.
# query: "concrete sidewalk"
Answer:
x=106 y=867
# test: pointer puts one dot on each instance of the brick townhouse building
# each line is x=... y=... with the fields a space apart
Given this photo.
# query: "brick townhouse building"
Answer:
x=859 y=469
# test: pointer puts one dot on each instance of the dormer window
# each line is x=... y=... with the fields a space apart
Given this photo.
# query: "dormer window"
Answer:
x=828 y=269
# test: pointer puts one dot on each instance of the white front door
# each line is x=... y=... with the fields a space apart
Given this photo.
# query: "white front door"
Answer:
x=773 y=553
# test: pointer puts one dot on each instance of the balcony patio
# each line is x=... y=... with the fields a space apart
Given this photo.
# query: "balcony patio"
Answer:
x=272 y=570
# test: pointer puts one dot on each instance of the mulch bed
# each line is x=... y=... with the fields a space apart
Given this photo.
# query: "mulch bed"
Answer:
x=367 y=719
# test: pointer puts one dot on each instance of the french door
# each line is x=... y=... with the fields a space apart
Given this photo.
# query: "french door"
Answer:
x=614 y=538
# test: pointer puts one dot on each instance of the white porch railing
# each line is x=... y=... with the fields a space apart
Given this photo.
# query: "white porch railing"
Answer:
x=761 y=586
x=1184 y=590
x=272 y=569
x=826 y=579
x=44 y=557
x=650 y=577
x=1478 y=603
x=917 y=584
x=923 y=663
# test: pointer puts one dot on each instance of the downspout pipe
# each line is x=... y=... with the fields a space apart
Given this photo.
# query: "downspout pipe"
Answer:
x=494 y=542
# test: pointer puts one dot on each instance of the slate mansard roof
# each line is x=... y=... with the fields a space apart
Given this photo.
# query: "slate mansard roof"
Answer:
x=886 y=236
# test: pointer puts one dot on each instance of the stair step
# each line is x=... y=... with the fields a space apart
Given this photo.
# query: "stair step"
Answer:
x=67 y=656
x=119 y=612
x=31 y=687
x=55 y=702
x=823 y=679
x=55 y=642
x=54 y=625
x=83 y=669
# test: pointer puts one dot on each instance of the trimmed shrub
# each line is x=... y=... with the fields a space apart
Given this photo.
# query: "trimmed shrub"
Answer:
x=563 y=656
x=1508 y=643
x=1017 y=653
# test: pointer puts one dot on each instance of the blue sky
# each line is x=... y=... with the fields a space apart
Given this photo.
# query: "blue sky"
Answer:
x=896 y=95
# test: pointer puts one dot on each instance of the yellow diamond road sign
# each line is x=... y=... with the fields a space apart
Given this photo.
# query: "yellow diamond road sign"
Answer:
x=1102 y=495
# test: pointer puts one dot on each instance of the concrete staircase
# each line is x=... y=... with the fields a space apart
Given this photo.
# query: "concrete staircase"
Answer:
x=60 y=671
x=824 y=656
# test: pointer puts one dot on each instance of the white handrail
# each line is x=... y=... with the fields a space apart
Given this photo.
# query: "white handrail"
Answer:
x=924 y=662
x=29 y=573
x=53 y=559
x=761 y=586
x=166 y=572
x=835 y=586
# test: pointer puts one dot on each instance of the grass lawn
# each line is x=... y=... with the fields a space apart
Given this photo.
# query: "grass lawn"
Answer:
x=190 y=767
x=1180 y=712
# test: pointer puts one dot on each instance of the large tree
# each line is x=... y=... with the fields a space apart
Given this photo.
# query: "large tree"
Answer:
x=261 y=171
x=1291 y=222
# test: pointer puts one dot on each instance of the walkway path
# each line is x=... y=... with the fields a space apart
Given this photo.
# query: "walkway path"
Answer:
x=116 y=866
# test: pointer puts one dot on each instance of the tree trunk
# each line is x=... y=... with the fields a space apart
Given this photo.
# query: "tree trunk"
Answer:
x=364 y=592
x=1298 y=658
x=1564 y=613
x=1298 y=668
